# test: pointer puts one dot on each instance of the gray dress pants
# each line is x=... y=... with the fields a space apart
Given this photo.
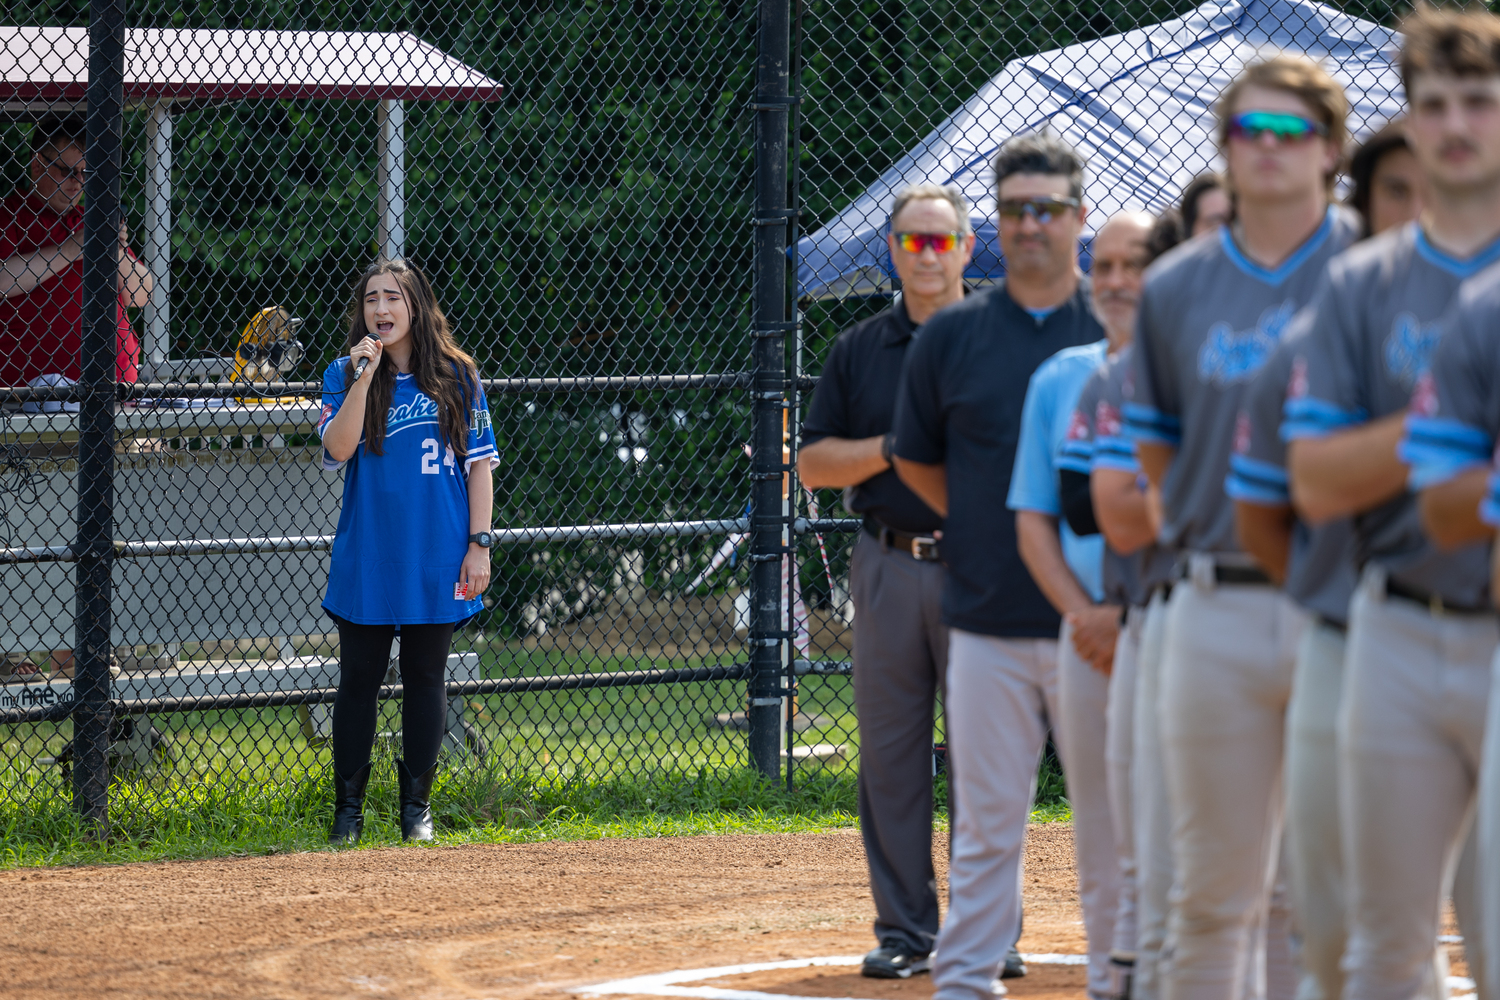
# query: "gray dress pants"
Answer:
x=900 y=665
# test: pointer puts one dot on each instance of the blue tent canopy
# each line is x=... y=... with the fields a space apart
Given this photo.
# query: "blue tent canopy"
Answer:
x=1138 y=105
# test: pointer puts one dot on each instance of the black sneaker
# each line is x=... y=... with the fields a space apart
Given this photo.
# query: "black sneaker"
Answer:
x=1014 y=967
x=894 y=961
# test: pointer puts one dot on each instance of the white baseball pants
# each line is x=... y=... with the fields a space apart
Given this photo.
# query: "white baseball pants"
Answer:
x=1002 y=696
x=1153 y=816
x=1226 y=681
x=1314 y=853
x=1081 y=733
x=1410 y=733
x=1119 y=749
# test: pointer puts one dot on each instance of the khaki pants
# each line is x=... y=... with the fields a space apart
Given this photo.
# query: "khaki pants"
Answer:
x=1002 y=696
x=1081 y=733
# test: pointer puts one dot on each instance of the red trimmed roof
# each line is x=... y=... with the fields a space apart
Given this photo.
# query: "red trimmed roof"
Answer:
x=45 y=65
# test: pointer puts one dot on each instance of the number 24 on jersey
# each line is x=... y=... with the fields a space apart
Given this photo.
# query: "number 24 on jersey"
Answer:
x=430 y=451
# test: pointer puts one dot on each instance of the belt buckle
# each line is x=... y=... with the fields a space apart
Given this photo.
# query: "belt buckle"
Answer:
x=1435 y=605
x=924 y=548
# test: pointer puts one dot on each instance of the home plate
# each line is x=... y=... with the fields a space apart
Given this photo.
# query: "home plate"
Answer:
x=667 y=984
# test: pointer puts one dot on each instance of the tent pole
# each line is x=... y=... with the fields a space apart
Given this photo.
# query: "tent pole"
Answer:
x=158 y=245
x=390 y=146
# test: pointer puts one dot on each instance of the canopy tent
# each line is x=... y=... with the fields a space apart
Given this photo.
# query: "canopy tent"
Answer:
x=45 y=71
x=1139 y=105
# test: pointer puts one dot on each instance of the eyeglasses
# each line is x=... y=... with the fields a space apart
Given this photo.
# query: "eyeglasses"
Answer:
x=1043 y=210
x=1251 y=125
x=917 y=242
x=79 y=173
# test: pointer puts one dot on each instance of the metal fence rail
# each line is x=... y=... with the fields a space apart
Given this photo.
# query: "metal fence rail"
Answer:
x=695 y=192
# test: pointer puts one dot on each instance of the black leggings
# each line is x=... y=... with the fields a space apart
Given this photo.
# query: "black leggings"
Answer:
x=364 y=658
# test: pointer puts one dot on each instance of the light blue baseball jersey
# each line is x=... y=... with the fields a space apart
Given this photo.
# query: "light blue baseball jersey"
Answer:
x=1097 y=440
x=1051 y=398
x=404 y=527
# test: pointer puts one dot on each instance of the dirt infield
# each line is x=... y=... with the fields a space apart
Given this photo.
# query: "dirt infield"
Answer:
x=487 y=921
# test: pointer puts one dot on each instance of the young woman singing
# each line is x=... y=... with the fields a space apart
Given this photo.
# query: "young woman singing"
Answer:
x=412 y=551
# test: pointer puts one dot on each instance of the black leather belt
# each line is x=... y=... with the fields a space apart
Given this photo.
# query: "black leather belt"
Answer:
x=1252 y=575
x=1240 y=574
x=1332 y=623
x=1431 y=601
x=923 y=548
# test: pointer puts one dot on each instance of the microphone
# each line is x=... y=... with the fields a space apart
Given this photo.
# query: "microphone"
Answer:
x=359 y=369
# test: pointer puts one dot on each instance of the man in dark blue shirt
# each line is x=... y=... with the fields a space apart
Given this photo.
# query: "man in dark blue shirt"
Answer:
x=895 y=577
x=958 y=420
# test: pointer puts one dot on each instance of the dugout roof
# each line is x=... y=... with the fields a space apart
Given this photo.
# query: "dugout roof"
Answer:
x=43 y=68
x=1139 y=105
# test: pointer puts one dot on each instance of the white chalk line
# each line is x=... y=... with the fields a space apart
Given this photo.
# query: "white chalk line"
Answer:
x=664 y=984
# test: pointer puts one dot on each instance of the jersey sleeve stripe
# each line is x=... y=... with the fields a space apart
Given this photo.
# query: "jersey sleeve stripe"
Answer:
x=1115 y=453
x=1438 y=449
x=1306 y=417
x=1257 y=482
x=1145 y=423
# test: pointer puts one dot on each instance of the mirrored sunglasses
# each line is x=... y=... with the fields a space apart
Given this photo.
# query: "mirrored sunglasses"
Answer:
x=1043 y=210
x=1251 y=125
x=917 y=242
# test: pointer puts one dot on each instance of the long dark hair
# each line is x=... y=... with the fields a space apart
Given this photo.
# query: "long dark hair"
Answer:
x=444 y=373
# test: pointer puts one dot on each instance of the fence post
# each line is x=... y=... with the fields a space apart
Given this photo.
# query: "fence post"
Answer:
x=96 y=420
x=768 y=623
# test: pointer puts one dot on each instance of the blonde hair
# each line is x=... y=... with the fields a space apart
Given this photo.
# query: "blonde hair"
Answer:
x=1304 y=79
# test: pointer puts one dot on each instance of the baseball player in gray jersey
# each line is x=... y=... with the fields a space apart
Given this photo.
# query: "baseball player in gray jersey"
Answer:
x=1416 y=670
x=1213 y=310
x=1098 y=446
x=1450 y=439
x=1316 y=569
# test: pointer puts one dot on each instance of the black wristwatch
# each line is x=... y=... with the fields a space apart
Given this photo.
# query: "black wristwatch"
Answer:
x=483 y=539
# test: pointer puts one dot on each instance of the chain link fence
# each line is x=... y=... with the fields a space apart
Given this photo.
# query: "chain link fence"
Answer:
x=648 y=222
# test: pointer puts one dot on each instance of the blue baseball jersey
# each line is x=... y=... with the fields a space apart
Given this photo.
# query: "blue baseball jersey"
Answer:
x=1046 y=417
x=404 y=527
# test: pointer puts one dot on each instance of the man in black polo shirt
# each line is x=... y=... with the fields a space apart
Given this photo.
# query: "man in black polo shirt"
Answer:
x=895 y=579
x=958 y=419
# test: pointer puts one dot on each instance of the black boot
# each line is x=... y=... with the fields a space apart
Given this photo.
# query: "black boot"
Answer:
x=416 y=791
x=349 y=806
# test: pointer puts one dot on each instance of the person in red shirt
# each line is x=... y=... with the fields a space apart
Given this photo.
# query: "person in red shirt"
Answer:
x=41 y=269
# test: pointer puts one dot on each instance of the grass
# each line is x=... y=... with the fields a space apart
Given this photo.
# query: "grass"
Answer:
x=563 y=765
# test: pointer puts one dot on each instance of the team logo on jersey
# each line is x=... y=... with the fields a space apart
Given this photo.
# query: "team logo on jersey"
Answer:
x=422 y=408
x=1408 y=349
x=1296 y=383
x=479 y=419
x=1424 y=398
x=1078 y=427
x=1107 y=419
x=1229 y=355
x=327 y=412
